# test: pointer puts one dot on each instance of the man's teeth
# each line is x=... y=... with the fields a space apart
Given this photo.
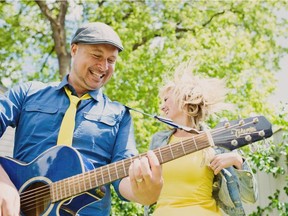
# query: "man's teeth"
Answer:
x=99 y=75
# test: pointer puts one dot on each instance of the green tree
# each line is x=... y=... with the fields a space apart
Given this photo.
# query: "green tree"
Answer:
x=235 y=40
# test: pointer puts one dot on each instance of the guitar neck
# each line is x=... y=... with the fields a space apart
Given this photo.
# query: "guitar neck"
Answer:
x=179 y=149
x=85 y=181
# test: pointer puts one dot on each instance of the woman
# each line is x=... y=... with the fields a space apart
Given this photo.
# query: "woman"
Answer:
x=190 y=182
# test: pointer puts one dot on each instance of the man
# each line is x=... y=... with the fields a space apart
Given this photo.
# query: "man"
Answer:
x=103 y=129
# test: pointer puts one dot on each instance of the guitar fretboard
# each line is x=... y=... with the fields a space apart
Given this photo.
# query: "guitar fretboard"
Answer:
x=92 y=179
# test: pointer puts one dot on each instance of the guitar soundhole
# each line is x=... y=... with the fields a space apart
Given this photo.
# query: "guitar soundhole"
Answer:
x=35 y=199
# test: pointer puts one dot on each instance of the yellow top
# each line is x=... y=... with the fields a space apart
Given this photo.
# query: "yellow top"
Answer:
x=187 y=188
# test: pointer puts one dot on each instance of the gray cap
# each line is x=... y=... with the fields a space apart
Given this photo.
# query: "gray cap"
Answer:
x=97 y=33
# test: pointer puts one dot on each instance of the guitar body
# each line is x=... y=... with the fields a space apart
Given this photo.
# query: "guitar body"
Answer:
x=33 y=179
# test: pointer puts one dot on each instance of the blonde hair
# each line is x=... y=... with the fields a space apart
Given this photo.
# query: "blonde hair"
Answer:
x=198 y=97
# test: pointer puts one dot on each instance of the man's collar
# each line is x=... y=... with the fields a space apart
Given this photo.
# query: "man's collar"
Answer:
x=95 y=94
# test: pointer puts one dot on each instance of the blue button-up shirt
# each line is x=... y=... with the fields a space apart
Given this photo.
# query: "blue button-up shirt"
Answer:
x=103 y=129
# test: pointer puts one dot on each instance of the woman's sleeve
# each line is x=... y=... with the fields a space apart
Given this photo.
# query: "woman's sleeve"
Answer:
x=247 y=183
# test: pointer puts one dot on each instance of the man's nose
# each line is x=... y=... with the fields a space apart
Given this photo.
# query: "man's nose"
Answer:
x=103 y=65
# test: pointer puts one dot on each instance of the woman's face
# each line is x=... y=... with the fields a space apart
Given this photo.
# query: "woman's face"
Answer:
x=170 y=107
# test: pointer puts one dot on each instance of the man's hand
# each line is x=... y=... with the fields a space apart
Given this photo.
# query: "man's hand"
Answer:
x=145 y=180
x=9 y=196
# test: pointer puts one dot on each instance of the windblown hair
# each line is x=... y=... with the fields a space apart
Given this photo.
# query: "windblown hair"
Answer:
x=197 y=96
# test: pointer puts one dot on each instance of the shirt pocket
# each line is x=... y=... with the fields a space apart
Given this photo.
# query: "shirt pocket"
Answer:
x=99 y=128
x=98 y=132
x=41 y=109
x=224 y=194
x=41 y=118
x=108 y=120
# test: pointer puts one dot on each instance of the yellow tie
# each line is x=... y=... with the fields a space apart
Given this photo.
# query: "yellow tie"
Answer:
x=66 y=131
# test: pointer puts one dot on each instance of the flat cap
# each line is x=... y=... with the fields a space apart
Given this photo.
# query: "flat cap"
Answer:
x=97 y=33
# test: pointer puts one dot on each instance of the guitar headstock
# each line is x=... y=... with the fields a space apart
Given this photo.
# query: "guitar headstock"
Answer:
x=237 y=133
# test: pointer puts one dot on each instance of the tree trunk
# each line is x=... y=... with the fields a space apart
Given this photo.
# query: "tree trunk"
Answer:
x=58 y=34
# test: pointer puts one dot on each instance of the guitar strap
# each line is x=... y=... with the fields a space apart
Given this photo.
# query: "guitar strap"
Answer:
x=165 y=120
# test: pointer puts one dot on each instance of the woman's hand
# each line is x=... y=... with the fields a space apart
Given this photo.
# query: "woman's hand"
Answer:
x=225 y=160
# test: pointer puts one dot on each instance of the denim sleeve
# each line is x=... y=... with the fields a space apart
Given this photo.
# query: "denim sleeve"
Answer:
x=153 y=143
x=160 y=139
x=247 y=183
x=125 y=146
x=11 y=106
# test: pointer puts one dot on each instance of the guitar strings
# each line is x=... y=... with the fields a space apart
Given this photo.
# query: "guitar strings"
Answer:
x=42 y=193
x=80 y=179
x=105 y=177
x=31 y=196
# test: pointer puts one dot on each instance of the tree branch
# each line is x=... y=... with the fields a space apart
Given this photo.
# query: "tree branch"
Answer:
x=46 y=59
x=58 y=33
x=212 y=17
x=178 y=29
x=143 y=41
x=62 y=12
x=45 y=10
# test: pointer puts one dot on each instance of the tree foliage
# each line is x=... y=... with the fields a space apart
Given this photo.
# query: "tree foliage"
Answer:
x=235 y=40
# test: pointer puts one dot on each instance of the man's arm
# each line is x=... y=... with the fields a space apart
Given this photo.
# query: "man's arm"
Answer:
x=9 y=196
x=145 y=180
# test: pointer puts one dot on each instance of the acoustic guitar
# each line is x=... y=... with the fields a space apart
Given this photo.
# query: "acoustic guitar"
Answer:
x=61 y=181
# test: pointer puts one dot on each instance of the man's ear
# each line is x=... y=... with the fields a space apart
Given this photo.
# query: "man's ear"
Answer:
x=74 y=48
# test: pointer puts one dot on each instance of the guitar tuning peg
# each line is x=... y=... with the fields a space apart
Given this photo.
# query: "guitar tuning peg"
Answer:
x=248 y=138
x=255 y=120
x=225 y=121
x=261 y=133
x=234 y=142
x=227 y=124
x=241 y=122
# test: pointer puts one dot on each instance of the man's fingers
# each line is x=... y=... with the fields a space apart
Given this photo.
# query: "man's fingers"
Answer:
x=135 y=173
x=153 y=158
x=156 y=169
x=145 y=170
x=146 y=173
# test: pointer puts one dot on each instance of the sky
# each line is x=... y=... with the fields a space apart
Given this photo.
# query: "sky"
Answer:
x=281 y=93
